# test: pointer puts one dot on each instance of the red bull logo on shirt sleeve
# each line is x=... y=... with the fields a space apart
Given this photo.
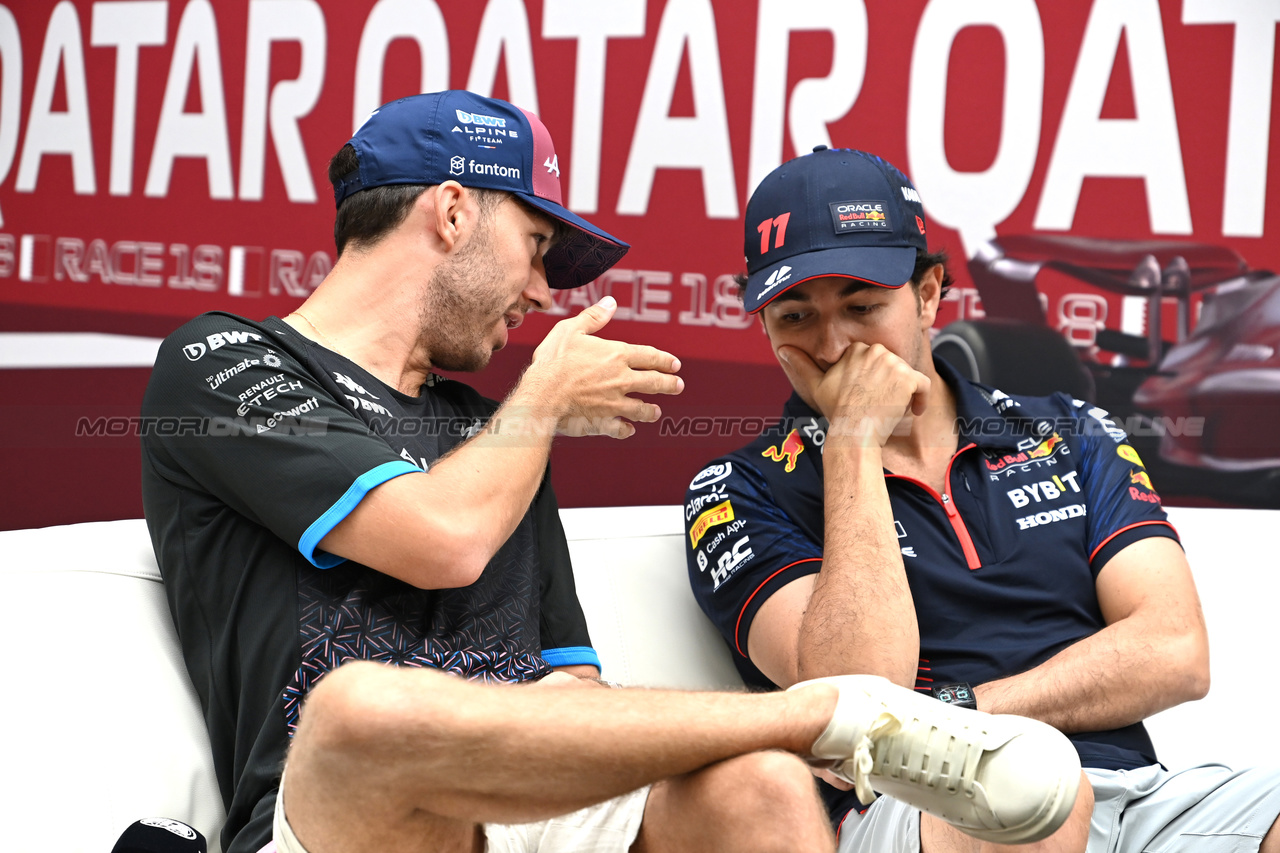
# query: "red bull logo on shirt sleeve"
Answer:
x=790 y=449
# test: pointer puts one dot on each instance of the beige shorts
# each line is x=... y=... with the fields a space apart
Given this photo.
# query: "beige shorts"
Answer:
x=1205 y=808
x=608 y=827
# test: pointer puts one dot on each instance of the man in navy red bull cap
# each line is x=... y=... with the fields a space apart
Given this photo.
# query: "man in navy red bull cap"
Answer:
x=348 y=507
x=995 y=552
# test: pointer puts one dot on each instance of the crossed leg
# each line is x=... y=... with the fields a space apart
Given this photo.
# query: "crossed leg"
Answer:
x=937 y=836
x=406 y=760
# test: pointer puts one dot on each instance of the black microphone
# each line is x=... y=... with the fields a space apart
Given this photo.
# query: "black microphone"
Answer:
x=160 y=835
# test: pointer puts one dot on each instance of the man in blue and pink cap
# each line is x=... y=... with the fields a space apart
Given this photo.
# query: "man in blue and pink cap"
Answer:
x=347 y=507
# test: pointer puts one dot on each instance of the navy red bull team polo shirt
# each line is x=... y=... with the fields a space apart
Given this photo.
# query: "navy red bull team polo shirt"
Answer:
x=1040 y=494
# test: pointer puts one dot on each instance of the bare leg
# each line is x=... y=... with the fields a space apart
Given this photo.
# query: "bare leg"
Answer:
x=765 y=801
x=937 y=836
x=1271 y=844
x=410 y=759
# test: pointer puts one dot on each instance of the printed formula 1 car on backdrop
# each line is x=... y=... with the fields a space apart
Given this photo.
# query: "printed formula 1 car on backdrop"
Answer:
x=1192 y=372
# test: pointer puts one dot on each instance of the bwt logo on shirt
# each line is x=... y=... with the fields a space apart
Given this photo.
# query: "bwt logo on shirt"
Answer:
x=194 y=352
x=220 y=339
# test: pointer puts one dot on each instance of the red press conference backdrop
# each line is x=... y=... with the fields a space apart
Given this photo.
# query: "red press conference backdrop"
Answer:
x=159 y=158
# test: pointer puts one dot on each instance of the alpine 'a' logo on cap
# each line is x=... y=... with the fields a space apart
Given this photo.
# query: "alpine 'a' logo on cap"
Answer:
x=456 y=165
x=776 y=278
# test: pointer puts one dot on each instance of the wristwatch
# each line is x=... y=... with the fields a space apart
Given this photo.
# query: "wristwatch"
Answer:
x=959 y=693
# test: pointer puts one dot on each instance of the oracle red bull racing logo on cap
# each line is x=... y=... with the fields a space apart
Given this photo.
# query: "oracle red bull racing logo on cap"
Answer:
x=790 y=449
x=859 y=215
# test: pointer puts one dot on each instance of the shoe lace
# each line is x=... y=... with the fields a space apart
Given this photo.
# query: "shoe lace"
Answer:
x=953 y=764
x=885 y=725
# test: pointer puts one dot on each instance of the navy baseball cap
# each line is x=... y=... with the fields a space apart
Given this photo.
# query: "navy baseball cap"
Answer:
x=838 y=212
x=484 y=143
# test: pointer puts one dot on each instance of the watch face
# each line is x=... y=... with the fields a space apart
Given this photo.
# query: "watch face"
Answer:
x=955 y=694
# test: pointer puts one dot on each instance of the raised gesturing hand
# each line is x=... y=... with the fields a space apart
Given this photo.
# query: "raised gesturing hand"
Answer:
x=587 y=381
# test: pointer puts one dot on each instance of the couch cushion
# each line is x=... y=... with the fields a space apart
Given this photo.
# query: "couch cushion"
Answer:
x=629 y=566
x=100 y=714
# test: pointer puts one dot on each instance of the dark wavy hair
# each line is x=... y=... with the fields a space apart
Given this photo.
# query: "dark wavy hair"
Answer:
x=367 y=216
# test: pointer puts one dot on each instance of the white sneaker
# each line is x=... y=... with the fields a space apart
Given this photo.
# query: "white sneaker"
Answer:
x=999 y=778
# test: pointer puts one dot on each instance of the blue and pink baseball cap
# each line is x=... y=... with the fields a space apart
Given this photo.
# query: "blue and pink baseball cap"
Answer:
x=484 y=143
x=835 y=212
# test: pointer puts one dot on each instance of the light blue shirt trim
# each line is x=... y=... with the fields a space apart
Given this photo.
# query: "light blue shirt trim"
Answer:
x=572 y=656
x=342 y=508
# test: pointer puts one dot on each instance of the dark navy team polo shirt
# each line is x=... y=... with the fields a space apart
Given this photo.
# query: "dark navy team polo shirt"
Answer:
x=1040 y=494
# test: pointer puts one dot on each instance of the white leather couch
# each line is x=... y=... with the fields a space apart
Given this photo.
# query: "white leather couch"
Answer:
x=101 y=727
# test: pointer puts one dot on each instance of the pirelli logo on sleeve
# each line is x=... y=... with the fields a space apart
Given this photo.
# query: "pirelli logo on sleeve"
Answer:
x=718 y=514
